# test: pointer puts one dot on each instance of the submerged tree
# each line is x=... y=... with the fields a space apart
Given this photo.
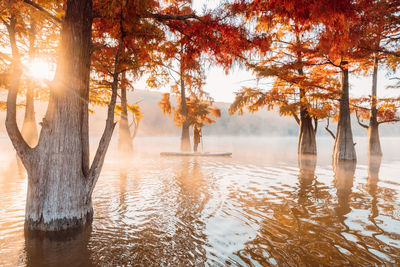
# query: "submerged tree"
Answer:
x=199 y=110
x=61 y=179
x=376 y=38
x=302 y=88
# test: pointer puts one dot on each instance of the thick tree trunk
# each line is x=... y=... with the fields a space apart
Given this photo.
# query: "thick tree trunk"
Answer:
x=374 y=144
x=124 y=140
x=185 y=136
x=29 y=127
x=57 y=196
x=60 y=183
x=307 y=143
x=344 y=146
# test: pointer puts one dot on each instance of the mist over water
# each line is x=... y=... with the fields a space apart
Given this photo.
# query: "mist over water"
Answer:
x=254 y=208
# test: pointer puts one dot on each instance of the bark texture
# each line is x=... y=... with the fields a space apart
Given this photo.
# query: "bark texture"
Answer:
x=307 y=143
x=344 y=145
x=185 y=136
x=374 y=144
x=29 y=126
x=125 y=145
x=60 y=183
x=57 y=196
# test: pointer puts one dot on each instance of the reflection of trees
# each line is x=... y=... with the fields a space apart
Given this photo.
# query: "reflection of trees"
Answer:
x=374 y=164
x=304 y=226
x=191 y=200
x=68 y=248
x=344 y=177
x=387 y=195
x=158 y=220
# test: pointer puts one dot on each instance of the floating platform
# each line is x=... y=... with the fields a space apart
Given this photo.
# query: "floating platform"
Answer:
x=197 y=154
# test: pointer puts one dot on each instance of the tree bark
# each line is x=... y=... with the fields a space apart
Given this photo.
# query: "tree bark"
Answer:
x=29 y=127
x=125 y=145
x=185 y=136
x=307 y=143
x=344 y=146
x=57 y=196
x=60 y=182
x=374 y=144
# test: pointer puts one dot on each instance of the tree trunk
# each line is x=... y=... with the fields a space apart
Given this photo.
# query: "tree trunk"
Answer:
x=185 y=136
x=374 y=144
x=307 y=143
x=57 y=196
x=29 y=127
x=124 y=140
x=344 y=146
x=60 y=183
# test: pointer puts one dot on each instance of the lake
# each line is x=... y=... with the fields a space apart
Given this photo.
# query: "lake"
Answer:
x=255 y=208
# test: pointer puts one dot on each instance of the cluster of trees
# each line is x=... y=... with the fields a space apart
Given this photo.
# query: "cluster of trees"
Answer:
x=315 y=46
x=101 y=47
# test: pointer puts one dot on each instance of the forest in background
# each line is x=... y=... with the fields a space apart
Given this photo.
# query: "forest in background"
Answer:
x=261 y=123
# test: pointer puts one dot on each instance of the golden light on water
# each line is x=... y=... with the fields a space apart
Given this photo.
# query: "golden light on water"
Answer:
x=40 y=69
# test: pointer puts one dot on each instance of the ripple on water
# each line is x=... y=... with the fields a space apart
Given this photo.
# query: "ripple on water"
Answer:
x=171 y=211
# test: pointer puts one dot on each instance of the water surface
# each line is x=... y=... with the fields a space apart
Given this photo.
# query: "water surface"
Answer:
x=257 y=208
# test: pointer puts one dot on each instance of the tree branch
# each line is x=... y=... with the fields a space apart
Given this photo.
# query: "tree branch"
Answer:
x=162 y=17
x=359 y=122
x=22 y=148
x=38 y=7
x=387 y=121
x=295 y=117
x=328 y=130
x=98 y=161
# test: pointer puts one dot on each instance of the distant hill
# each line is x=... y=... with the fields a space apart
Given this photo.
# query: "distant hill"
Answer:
x=262 y=123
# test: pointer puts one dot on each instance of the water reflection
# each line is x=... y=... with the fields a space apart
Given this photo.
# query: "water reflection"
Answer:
x=154 y=211
x=343 y=180
x=191 y=199
x=307 y=165
x=69 y=248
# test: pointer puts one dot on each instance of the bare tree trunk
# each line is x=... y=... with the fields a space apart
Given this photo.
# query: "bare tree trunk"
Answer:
x=124 y=140
x=185 y=136
x=374 y=144
x=307 y=143
x=344 y=146
x=60 y=183
x=29 y=127
x=57 y=196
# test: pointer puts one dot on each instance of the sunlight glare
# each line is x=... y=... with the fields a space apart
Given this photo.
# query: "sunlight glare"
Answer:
x=40 y=69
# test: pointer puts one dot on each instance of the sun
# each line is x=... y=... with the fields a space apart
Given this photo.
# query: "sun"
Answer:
x=40 y=69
